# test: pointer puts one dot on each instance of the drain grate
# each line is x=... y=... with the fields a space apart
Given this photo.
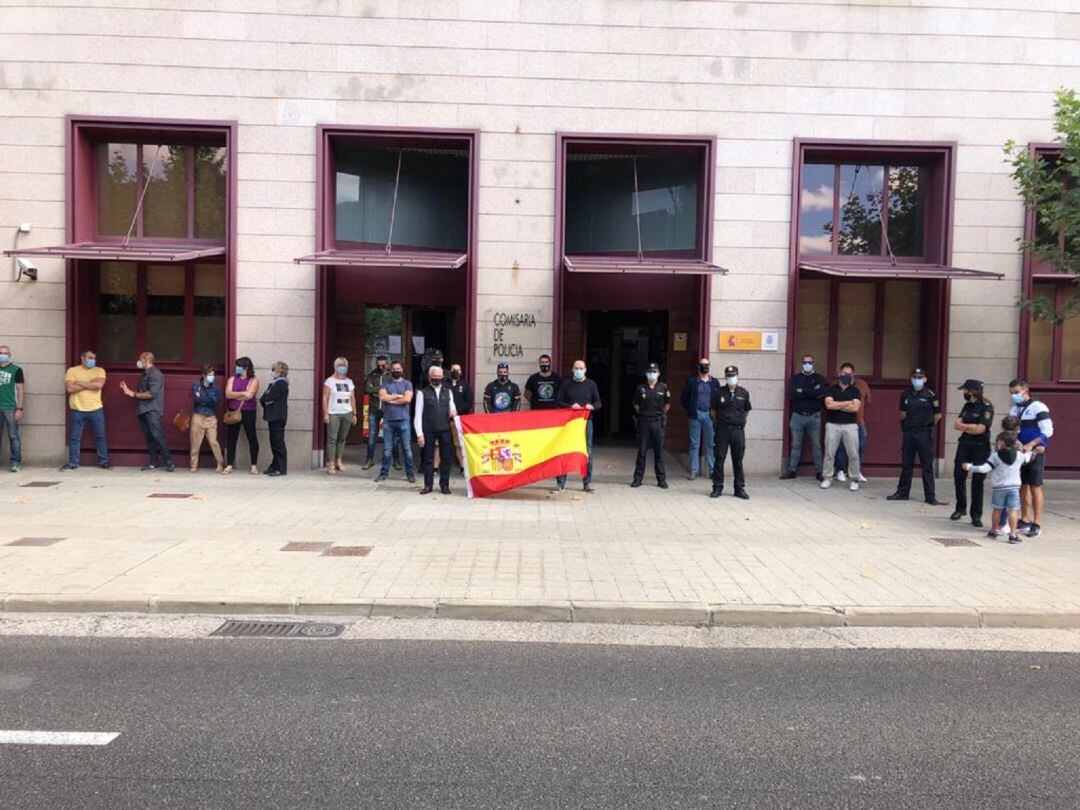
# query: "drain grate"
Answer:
x=346 y=551
x=955 y=541
x=39 y=484
x=250 y=629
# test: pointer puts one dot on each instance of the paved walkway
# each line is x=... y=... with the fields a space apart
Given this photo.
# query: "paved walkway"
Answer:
x=106 y=540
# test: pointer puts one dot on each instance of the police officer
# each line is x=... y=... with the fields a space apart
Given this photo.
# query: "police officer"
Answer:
x=729 y=409
x=652 y=400
x=920 y=410
x=501 y=395
x=974 y=423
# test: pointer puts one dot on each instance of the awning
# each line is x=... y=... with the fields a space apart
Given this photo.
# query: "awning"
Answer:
x=907 y=270
x=633 y=264
x=425 y=259
x=115 y=251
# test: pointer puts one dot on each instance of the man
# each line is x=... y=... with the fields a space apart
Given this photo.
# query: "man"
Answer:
x=395 y=394
x=920 y=411
x=543 y=386
x=463 y=404
x=580 y=393
x=12 y=397
x=730 y=408
x=501 y=395
x=372 y=383
x=973 y=447
x=150 y=407
x=1036 y=428
x=433 y=423
x=842 y=401
x=860 y=422
x=83 y=384
x=696 y=400
x=805 y=391
x=652 y=401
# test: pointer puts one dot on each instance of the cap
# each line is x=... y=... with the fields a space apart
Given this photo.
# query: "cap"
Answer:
x=971 y=385
x=730 y=370
x=653 y=367
x=501 y=366
x=918 y=372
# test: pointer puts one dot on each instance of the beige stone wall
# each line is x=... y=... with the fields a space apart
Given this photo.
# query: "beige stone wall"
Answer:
x=755 y=74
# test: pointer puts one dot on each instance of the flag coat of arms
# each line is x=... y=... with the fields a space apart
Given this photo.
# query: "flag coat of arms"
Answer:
x=509 y=450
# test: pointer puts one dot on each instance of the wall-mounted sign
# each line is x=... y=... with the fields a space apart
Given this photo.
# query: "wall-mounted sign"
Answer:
x=678 y=341
x=509 y=334
x=748 y=342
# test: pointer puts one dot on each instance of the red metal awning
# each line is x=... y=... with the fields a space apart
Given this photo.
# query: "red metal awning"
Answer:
x=907 y=270
x=115 y=251
x=632 y=264
x=425 y=259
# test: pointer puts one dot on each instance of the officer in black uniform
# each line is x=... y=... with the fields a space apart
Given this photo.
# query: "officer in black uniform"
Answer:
x=920 y=410
x=652 y=400
x=729 y=409
x=974 y=423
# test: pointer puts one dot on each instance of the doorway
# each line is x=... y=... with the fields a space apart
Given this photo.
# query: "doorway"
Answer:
x=619 y=345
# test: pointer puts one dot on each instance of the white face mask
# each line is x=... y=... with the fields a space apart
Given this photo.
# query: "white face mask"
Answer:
x=652 y=376
x=139 y=364
x=732 y=381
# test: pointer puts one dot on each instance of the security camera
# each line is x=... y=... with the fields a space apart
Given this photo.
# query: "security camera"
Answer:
x=26 y=268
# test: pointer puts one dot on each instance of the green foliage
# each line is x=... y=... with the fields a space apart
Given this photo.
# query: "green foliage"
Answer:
x=1050 y=186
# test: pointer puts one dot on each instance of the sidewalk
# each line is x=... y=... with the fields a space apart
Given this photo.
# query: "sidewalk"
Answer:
x=792 y=555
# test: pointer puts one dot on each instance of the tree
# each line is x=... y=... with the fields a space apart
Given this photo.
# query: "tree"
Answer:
x=1050 y=186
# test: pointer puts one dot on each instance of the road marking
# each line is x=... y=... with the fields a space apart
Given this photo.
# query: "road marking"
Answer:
x=57 y=737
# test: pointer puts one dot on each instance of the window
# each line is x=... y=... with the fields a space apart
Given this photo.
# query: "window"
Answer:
x=878 y=206
x=177 y=311
x=183 y=190
x=1053 y=350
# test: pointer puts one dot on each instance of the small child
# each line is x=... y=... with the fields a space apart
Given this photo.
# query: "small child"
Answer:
x=1010 y=424
x=1004 y=468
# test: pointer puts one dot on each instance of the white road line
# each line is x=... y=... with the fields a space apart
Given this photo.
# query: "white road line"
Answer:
x=57 y=737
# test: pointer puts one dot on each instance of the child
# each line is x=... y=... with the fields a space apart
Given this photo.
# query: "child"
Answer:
x=1004 y=468
x=1010 y=424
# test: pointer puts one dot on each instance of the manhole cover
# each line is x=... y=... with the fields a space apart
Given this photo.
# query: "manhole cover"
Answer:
x=39 y=484
x=955 y=541
x=170 y=495
x=279 y=629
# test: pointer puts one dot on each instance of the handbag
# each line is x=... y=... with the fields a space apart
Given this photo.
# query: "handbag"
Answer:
x=232 y=417
x=182 y=421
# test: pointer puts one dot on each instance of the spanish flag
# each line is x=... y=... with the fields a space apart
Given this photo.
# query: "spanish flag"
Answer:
x=509 y=450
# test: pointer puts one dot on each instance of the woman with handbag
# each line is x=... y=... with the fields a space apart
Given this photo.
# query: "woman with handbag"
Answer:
x=275 y=404
x=205 y=398
x=241 y=391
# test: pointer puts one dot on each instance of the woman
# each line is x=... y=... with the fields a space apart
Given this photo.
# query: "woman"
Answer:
x=205 y=398
x=339 y=413
x=240 y=392
x=275 y=404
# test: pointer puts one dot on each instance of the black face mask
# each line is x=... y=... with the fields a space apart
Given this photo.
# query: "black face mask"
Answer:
x=455 y=375
x=381 y=369
x=503 y=377
x=545 y=367
x=396 y=375
x=703 y=368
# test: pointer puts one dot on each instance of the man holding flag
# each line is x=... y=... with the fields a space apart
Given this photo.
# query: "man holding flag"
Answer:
x=579 y=393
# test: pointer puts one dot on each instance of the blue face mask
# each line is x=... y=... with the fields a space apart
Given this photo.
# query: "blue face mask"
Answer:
x=579 y=374
x=341 y=369
x=917 y=383
x=807 y=368
x=1017 y=398
x=4 y=358
x=732 y=381
x=239 y=371
x=846 y=379
x=210 y=379
x=91 y=362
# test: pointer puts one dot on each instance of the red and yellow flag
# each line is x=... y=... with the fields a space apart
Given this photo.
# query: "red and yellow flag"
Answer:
x=509 y=450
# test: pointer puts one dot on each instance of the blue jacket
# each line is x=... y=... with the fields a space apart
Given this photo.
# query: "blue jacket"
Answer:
x=205 y=400
x=688 y=400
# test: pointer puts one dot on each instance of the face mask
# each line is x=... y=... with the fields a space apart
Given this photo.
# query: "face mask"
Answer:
x=435 y=381
x=917 y=383
x=455 y=375
x=239 y=371
x=732 y=381
x=210 y=379
x=703 y=368
x=396 y=375
x=545 y=367
x=503 y=376
x=1017 y=398
x=139 y=364
x=381 y=369
x=91 y=362
x=807 y=368
x=652 y=376
x=4 y=358
x=341 y=369
x=579 y=374
x=845 y=379
x=968 y=397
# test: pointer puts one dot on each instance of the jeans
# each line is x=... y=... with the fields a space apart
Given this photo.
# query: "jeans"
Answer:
x=835 y=435
x=805 y=424
x=394 y=431
x=7 y=417
x=841 y=453
x=701 y=435
x=373 y=420
x=156 y=449
x=96 y=421
x=561 y=480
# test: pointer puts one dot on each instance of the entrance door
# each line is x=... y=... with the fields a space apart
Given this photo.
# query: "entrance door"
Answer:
x=429 y=329
x=619 y=344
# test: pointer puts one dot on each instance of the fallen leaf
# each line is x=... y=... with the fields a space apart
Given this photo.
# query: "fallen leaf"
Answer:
x=1034 y=668
x=24 y=500
x=866 y=574
x=749 y=519
x=865 y=527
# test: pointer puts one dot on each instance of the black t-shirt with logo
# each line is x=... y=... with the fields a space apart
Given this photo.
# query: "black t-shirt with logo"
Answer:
x=543 y=390
x=835 y=392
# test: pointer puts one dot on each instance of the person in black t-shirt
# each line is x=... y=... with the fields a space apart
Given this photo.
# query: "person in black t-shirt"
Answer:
x=842 y=402
x=543 y=386
x=579 y=392
x=501 y=395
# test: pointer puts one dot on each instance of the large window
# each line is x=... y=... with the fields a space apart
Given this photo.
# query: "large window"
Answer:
x=182 y=188
x=1053 y=352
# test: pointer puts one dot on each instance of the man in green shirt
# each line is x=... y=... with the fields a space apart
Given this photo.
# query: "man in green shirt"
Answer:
x=12 y=397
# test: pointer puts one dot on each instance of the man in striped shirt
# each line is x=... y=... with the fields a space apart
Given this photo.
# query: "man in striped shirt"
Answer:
x=1036 y=428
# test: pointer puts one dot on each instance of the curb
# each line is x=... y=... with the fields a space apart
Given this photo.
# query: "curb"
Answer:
x=593 y=612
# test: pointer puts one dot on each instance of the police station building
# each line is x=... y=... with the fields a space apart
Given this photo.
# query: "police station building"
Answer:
x=623 y=181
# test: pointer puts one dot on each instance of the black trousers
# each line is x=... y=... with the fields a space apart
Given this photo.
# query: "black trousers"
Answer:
x=973 y=454
x=155 y=439
x=917 y=442
x=279 y=455
x=232 y=438
x=446 y=456
x=729 y=437
x=650 y=434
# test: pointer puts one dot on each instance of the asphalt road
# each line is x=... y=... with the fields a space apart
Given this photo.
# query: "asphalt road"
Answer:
x=335 y=723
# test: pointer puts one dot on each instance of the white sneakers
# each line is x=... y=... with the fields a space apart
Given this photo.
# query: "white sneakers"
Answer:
x=862 y=478
x=826 y=483
x=841 y=476
x=854 y=486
